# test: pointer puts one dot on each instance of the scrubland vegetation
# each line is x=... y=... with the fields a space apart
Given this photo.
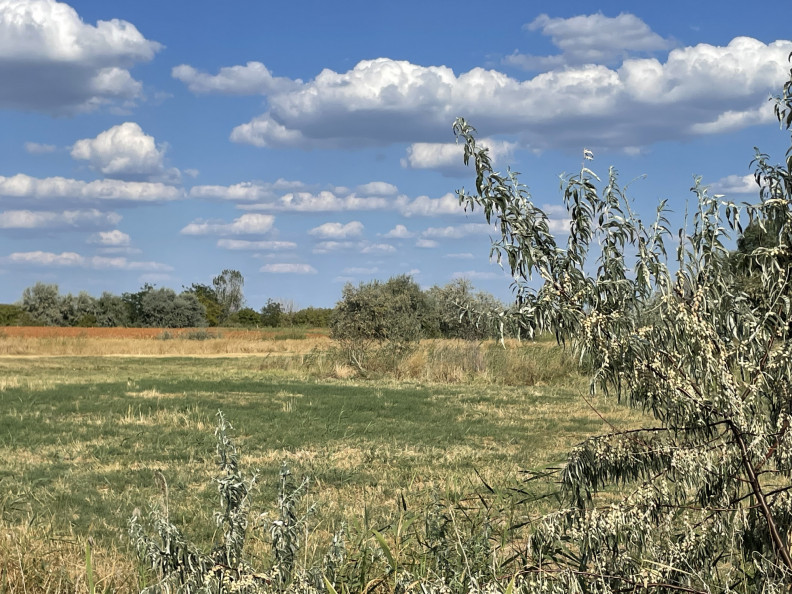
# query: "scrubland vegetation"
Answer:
x=437 y=466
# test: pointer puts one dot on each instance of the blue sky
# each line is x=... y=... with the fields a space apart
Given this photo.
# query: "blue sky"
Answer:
x=309 y=144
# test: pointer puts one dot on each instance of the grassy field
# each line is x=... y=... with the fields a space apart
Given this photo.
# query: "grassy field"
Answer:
x=85 y=429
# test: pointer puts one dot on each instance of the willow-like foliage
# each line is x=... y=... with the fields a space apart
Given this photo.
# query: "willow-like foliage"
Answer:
x=700 y=500
x=181 y=567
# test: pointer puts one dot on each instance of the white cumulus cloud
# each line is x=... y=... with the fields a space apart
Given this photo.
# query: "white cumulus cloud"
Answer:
x=377 y=248
x=73 y=259
x=334 y=201
x=337 y=230
x=253 y=78
x=246 y=191
x=114 y=238
x=361 y=270
x=243 y=244
x=590 y=39
x=324 y=247
x=79 y=219
x=735 y=120
x=446 y=157
x=478 y=275
x=50 y=60
x=125 y=152
x=637 y=103
x=247 y=224
x=458 y=231
x=324 y=201
x=56 y=188
x=121 y=263
x=288 y=268
x=448 y=204
x=39 y=258
x=735 y=184
x=377 y=188
x=364 y=247
x=399 y=232
x=36 y=148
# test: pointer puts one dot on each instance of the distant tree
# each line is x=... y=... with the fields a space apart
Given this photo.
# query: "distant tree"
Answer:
x=190 y=312
x=134 y=304
x=157 y=308
x=228 y=289
x=14 y=315
x=288 y=308
x=42 y=302
x=246 y=317
x=272 y=314
x=111 y=311
x=163 y=308
x=79 y=310
x=313 y=317
x=207 y=296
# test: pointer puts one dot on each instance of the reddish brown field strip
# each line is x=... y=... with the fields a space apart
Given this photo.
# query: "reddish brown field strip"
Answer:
x=141 y=333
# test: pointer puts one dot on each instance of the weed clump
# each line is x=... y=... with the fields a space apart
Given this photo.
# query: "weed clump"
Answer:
x=442 y=550
x=200 y=334
x=181 y=566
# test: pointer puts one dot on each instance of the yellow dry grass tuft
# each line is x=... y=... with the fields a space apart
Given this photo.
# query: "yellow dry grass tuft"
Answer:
x=35 y=561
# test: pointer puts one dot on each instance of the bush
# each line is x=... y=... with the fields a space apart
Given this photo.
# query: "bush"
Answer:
x=699 y=499
x=383 y=318
x=180 y=565
x=245 y=317
x=14 y=315
x=459 y=312
x=163 y=308
x=201 y=334
x=313 y=317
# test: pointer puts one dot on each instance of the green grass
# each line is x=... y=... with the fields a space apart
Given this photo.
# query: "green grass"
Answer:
x=81 y=438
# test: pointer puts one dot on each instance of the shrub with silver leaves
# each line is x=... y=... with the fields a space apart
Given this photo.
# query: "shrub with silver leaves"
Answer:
x=700 y=500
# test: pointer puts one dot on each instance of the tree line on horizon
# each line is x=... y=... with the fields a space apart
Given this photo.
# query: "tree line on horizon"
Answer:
x=374 y=310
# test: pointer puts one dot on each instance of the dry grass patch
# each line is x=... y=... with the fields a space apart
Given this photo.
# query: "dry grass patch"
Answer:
x=193 y=418
x=82 y=438
x=36 y=561
x=99 y=342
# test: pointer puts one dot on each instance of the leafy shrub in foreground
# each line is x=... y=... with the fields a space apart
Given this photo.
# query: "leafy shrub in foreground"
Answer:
x=703 y=498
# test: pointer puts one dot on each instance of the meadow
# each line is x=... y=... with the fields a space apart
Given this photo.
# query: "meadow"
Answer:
x=94 y=427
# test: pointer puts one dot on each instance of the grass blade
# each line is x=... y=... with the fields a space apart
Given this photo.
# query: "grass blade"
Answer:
x=385 y=550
